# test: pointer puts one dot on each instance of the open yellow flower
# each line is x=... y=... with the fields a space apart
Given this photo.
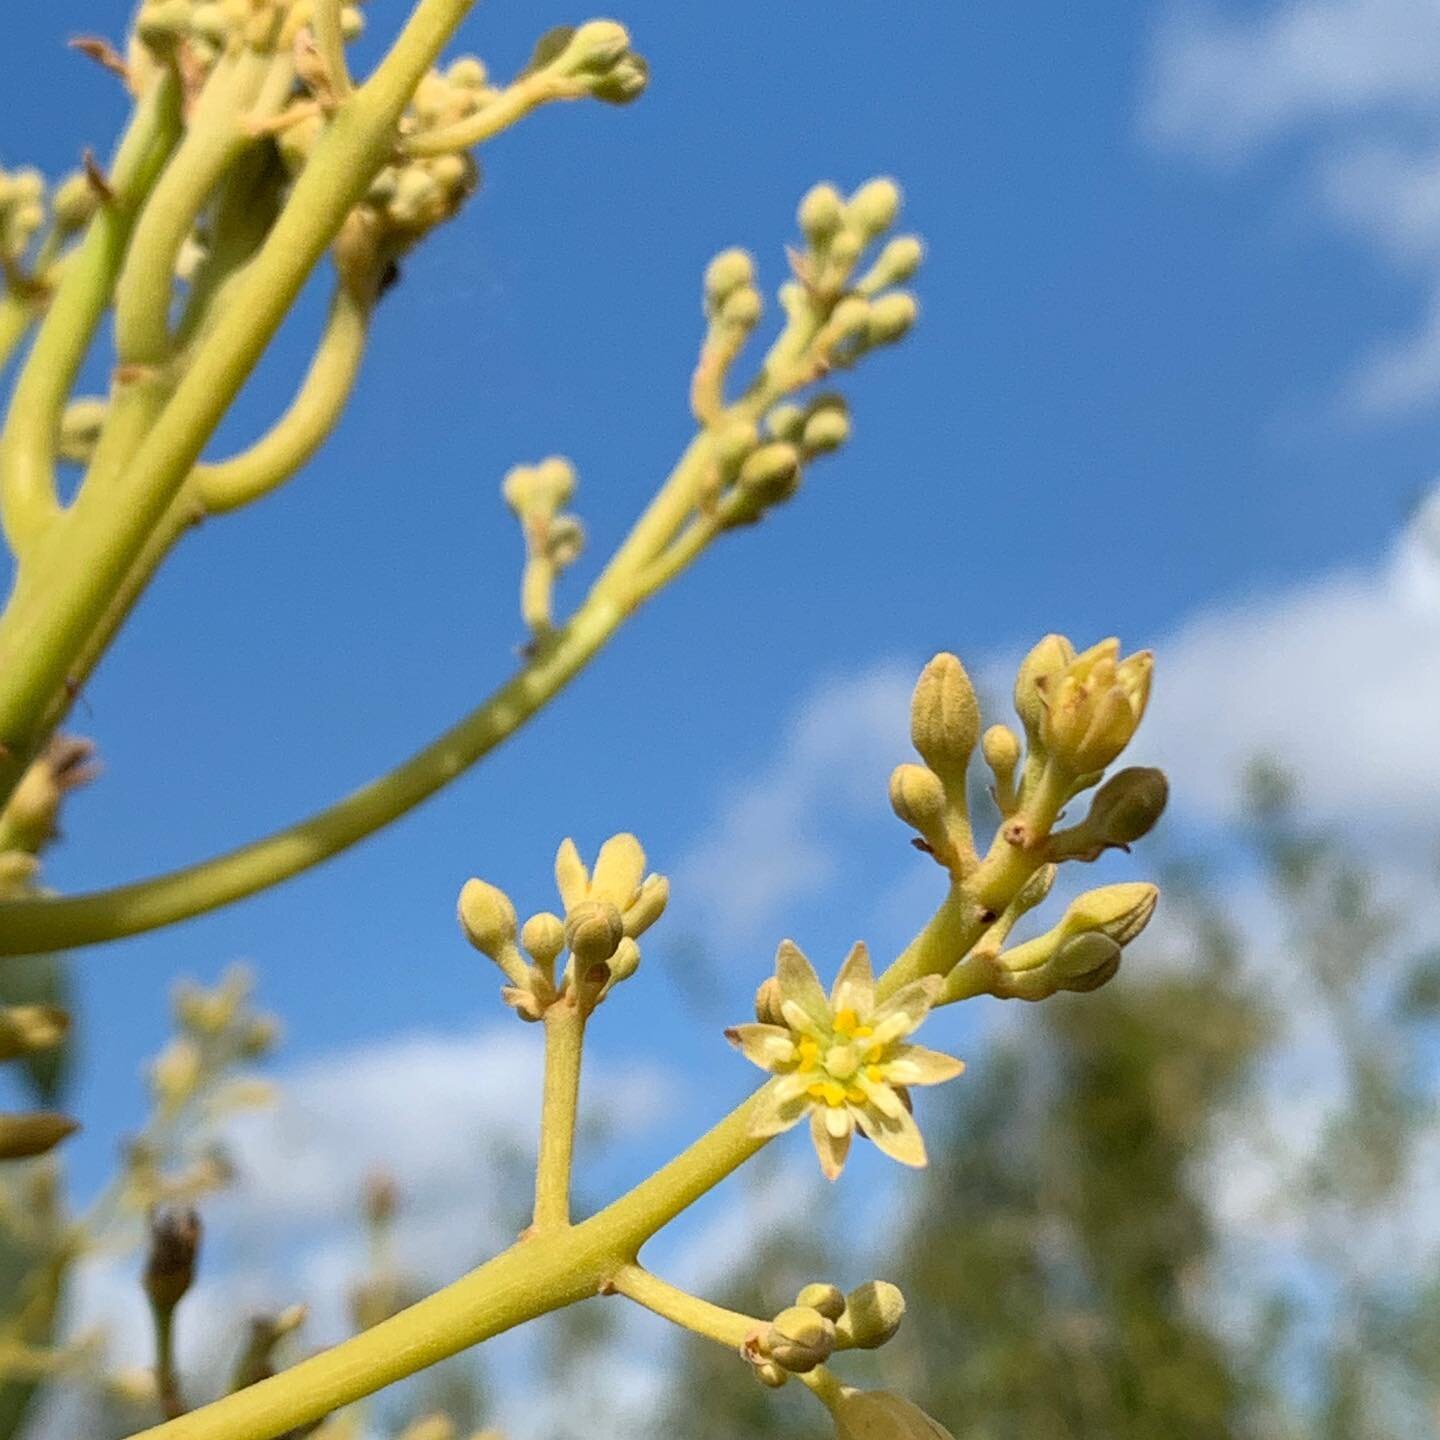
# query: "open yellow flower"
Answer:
x=843 y=1060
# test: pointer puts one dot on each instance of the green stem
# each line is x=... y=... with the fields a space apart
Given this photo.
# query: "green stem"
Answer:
x=330 y=42
x=511 y=106
x=16 y=318
x=564 y=1045
x=690 y=1312
x=27 y=451
x=313 y=414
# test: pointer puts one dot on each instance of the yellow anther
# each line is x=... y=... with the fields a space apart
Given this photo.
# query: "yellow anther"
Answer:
x=875 y=1074
x=846 y=1022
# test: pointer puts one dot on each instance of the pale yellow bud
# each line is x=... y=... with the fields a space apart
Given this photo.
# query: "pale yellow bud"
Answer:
x=898 y=262
x=829 y=1300
x=1093 y=706
x=544 y=937
x=891 y=317
x=799 y=1339
x=786 y=422
x=1047 y=660
x=593 y=930
x=917 y=797
x=80 y=428
x=734 y=442
x=74 y=202
x=742 y=308
x=821 y=214
x=873 y=1312
x=625 y=961
x=564 y=541
x=467 y=73
x=770 y=1375
x=596 y=46
x=1001 y=749
x=945 y=719
x=487 y=918
x=1119 y=911
x=873 y=208
x=729 y=271
x=619 y=869
x=850 y=319
x=826 y=429
x=772 y=472
x=175 y=1073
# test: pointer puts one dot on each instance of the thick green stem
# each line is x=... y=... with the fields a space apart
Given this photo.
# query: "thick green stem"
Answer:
x=564 y=1046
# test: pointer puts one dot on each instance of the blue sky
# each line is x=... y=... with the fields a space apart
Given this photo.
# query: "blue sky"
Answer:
x=1149 y=390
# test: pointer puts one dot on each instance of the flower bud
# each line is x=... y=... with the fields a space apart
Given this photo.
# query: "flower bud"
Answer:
x=821 y=214
x=24 y=1029
x=891 y=317
x=873 y=208
x=849 y=320
x=734 y=442
x=786 y=422
x=729 y=271
x=25 y=1136
x=1045 y=661
x=487 y=918
x=873 y=1312
x=945 y=719
x=80 y=428
x=770 y=1375
x=1084 y=963
x=917 y=797
x=799 y=1339
x=772 y=472
x=1119 y=911
x=1093 y=706
x=882 y=1415
x=74 y=202
x=826 y=428
x=544 y=937
x=1127 y=806
x=467 y=73
x=29 y=818
x=170 y=1265
x=593 y=930
x=595 y=47
x=564 y=541
x=742 y=308
x=625 y=82
x=175 y=1073
x=898 y=262
x=829 y=1300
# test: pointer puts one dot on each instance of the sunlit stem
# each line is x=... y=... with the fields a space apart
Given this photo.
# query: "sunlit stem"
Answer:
x=564 y=1045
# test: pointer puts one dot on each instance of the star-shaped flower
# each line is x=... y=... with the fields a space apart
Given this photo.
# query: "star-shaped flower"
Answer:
x=843 y=1060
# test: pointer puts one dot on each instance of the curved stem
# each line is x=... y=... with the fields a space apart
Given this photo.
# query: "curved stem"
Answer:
x=564 y=1045
x=27 y=926
x=690 y=1312
x=27 y=451
x=313 y=414
x=508 y=108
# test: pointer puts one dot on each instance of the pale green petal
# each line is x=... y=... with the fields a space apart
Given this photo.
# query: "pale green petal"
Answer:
x=830 y=1146
x=915 y=1065
x=799 y=1019
x=882 y=1097
x=799 y=982
x=776 y=1111
x=767 y=1046
x=904 y=1010
x=619 y=869
x=572 y=880
x=896 y=1136
x=854 y=987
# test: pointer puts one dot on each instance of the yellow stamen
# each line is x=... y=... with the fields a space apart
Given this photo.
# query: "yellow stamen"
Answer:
x=846 y=1022
x=875 y=1074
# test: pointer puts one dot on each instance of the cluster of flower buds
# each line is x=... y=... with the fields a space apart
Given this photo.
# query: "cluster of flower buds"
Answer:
x=30 y=820
x=822 y=1320
x=594 y=59
x=218 y=1032
x=203 y=30
x=605 y=912
x=554 y=539
x=761 y=442
x=1078 y=712
x=27 y=208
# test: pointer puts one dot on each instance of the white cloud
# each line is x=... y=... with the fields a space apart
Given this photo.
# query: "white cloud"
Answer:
x=1353 y=83
x=1338 y=678
x=772 y=841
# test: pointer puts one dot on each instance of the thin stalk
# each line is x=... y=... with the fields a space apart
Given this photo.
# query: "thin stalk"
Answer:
x=690 y=1312
x=330 y=42
x=16 y=318
x=27 y=450
x=511 y=106
x=564 y=1046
